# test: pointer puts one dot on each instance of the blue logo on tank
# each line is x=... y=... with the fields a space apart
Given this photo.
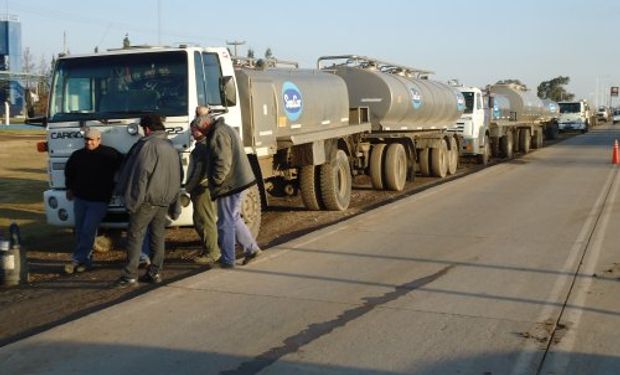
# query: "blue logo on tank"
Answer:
x=460 y=102
x=292 y=100
x=416 y=98
x=496 y=112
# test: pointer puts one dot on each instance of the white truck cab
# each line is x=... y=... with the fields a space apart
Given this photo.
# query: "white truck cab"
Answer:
x=474 y=124
x=574 y=116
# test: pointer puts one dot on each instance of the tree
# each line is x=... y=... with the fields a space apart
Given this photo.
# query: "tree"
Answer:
x=509 y=81
x=27 y=65
x=250 y=53
x=554 y=90
x=268 y=54
x=126 y=42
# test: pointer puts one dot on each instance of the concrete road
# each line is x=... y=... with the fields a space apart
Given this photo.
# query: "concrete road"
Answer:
x=511 y=270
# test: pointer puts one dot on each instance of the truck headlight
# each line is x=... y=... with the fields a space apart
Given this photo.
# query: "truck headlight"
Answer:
x=63 y=214
x=53 y=202
x=132 y=129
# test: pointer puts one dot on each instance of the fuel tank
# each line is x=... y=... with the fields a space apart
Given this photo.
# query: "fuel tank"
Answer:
x=400 y=101
x=279 y=103
x=514 y=102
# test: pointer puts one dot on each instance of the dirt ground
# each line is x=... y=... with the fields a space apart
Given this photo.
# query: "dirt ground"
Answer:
x=51 y=297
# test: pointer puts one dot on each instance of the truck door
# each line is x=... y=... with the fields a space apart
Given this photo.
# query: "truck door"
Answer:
x=264 y=113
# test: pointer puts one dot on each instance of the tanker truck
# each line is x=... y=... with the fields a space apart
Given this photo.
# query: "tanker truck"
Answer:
x=502 y=119
x=410 y=115
x=295 y=124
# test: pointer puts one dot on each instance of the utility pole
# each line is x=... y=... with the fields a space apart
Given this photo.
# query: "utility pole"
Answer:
x=235 y=43
x=159 y=22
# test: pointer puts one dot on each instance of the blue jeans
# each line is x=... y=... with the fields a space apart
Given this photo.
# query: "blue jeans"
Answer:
x=232 y=229
x=88 y=216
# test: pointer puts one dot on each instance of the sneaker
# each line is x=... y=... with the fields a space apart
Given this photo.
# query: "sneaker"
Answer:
x=72 y=267
x=125 y=282
x=250 y=257
x=151 y=278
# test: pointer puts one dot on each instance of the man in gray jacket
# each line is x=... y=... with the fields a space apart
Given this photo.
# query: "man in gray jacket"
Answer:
x=229 y=173
x=149 y=182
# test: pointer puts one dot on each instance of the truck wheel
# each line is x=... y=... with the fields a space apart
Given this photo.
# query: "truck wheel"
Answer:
x=486 y=152
x=453 y=156
x=336 y=182
x=376 y=166
x=525 y=140
x=251 y=208
x=424 y=162
x=538 y=139
x=506 y=144
x=395 y=167
x=309 y=186
x=439 y=160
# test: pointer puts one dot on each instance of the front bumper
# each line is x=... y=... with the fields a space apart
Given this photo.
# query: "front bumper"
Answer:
x=562 y=126
x=59 y=212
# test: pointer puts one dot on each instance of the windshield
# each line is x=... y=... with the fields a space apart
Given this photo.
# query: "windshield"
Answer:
x=570 y=107
x=469 y=101
x=120 y=86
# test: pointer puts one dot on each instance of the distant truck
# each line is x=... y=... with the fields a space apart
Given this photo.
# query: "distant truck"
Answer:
x=503 y=119
x=575 y=115
x=603 y=114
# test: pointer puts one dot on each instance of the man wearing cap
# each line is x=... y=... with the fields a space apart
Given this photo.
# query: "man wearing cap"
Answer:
x=149 y=183
x=230 y=174
x=89 y=178
x=197 y=185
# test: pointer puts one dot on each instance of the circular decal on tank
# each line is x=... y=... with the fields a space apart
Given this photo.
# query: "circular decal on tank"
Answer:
x=496 y=112
x=460 y=102
x=416 y=98
x=292 y=100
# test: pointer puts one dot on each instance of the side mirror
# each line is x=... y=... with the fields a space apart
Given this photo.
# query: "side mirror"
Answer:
x=228 y=90
x=37 y=121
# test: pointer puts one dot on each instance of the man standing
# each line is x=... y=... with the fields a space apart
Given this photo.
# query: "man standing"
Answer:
x=229 y=173
x=205 y=214
x=149 y=182
x=89 y=178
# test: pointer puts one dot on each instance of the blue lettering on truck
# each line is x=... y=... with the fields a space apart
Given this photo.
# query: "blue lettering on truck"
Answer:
x=292 y=100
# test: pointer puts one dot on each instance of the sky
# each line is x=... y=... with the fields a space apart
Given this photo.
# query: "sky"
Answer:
x=477 y=42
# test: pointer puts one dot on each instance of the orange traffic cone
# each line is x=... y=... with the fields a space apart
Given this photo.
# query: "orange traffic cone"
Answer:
x=614 y=155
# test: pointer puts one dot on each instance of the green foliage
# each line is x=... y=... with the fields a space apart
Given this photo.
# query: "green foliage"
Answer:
x=268 y=54
x=554 y=90
x=250 y=53
x=512 y=80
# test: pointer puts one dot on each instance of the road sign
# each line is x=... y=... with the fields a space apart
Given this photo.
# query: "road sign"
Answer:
x=614 y=91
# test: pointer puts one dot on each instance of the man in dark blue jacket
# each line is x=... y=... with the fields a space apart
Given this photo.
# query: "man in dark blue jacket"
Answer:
x=149 y=183
x=89 y=178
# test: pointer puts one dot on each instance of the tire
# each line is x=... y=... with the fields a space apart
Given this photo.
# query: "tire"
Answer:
x=395 y=167
x=453 y=156
x=309 y=186
x=424 y=162
x=251 y=210
x=525 y=140
x=538 y=139
x=506 y=145
x=336 y=182
x=486 y=152
x=376 y=166
x=439 y=160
